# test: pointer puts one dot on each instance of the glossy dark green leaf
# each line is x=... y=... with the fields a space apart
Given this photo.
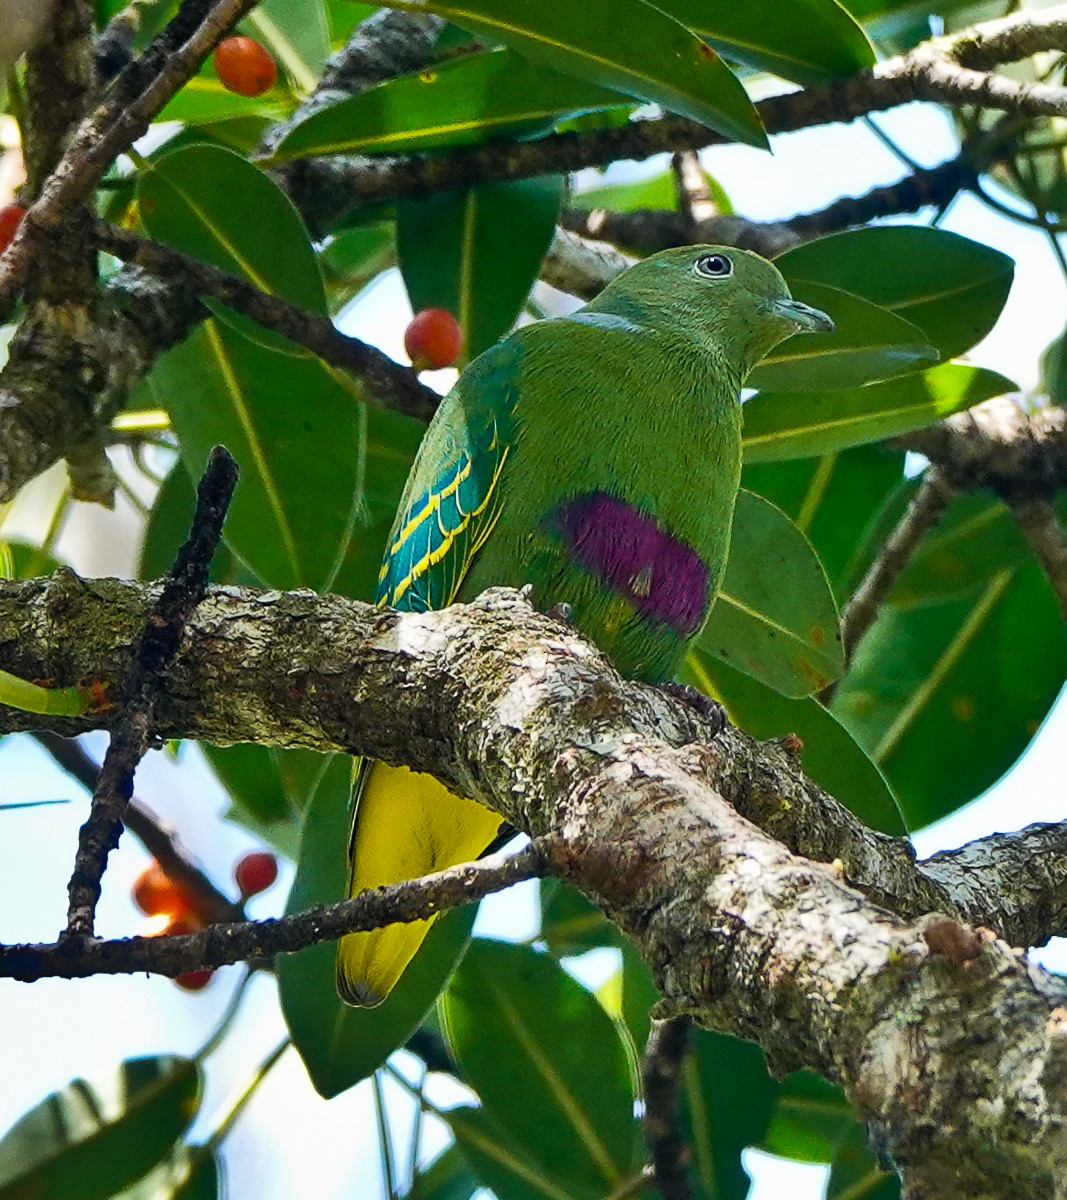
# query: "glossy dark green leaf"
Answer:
x=945 y=696
x=834 y=501
x=631 y=46
x=190 y=1173
x=299 y=437
x=952 y=288
x=344 y=16
x=727 y=1101
x=447 y=1178
x=975 y=539
x=269 y=788
x=554 y=1076
x=868 y=344
x=342 y=1045
x=830 y=754
x=20 y=560
x=1054 y=371
x=855 y=1173
x=476 y=252
x=168 y=527
x=780 y=425
x=774 y=617
x=470 y=99
x=571 y=924
x=505 y=1167
x=92 y=1139
x=215 y=205
x=811 y=1119
x=657 y=191
x=805 y=41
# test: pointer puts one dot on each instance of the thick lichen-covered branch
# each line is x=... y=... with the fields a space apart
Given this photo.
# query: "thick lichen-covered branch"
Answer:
x=297 y=669
x=653 y=822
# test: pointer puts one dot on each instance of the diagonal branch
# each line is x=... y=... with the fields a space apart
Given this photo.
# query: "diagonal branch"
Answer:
x=388 y=383
x=1037 y=519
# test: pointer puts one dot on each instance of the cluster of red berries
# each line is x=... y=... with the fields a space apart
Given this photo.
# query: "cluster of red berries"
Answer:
x=244 y=66
x=156 y=894
x=433 y=339
x=10 y=219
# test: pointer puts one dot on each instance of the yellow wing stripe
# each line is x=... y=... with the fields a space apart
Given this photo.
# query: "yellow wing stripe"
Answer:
x=433 y=503
x=438 y=552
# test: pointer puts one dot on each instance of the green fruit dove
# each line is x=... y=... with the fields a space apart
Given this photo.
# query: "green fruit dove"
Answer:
x=595 y=457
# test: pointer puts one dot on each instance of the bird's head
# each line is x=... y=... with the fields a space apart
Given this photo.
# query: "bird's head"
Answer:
x=730 y=298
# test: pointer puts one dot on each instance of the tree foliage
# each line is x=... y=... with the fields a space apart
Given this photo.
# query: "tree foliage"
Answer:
x=901 y=618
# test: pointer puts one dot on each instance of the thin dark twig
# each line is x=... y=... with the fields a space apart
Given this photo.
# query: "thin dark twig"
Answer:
x=160 y=841
x=255 y=941
x=668 y=1154
x=1037 y=519
x=131 y=733
x=393 y=386
x=921 y=515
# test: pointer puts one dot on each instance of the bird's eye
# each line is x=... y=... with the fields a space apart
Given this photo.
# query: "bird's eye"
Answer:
x=713 y=266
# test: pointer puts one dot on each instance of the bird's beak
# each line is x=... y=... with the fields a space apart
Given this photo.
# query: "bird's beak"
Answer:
x=806 y=318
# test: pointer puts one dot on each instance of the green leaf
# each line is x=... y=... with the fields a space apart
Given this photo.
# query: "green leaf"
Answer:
x=727 y=1101
x=639 y=995
x=297 y=34
x=90 y=1140
x=554 y=1076
x=951 y=288
x=354 y=258
x=342 y=1045
x=303 y=442
x=571 y=924
x=834 y=500
x=780 y=425
x=216 y=206
x=774 y=617
x=805 y=41
x=470 y=99
x=504 y=1166
x=869 y=343
x=976 y=539
x=811 y=1119
x=446 y=1178
x=476 y=252
x=269 y=788
x=855 y=1173
x=831 y=755
x=204 y=101
x=657 y=191
x=945 y=696
x=631 y=46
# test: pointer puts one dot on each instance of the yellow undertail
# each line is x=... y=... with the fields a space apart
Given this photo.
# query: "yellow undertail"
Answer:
x=405 y=825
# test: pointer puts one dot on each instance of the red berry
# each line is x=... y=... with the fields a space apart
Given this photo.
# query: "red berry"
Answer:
x=433 y=339
x=155 y=893
x=256 y=872
x=10 y=219
x=194 y=981
x=244 y=66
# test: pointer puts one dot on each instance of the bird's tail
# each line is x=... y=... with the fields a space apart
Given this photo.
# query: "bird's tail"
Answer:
x=404 y=825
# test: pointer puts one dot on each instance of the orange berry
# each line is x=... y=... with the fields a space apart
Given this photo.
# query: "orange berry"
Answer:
x=194 y=981
x=433 y=339
x=10 y=219
x=155 y=892
x=244 y=66
x=256 y=872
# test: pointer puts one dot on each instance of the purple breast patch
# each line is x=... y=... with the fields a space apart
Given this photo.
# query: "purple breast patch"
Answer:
x=629 y=551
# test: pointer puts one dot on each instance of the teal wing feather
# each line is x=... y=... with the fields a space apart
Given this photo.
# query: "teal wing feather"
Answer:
x=452 y=499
